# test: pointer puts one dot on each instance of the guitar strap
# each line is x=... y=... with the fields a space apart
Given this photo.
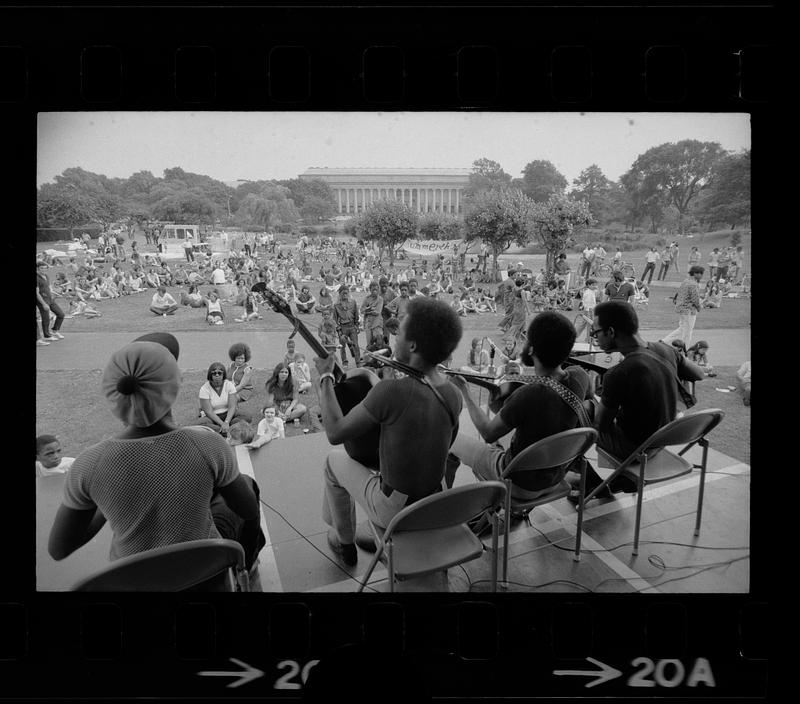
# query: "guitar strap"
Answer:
x=566 y=395
x=437 y=393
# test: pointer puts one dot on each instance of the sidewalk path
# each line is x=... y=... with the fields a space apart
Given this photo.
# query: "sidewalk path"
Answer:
x=90 y=350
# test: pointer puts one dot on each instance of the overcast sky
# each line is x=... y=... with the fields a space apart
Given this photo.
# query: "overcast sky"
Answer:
x=281 y=145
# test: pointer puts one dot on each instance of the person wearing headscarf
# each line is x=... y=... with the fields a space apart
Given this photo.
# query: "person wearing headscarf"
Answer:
x=154 y=481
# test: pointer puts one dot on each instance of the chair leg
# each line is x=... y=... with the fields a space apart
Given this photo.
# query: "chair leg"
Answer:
x=581 y=506
x=639 y=498
x=371 y=567
x=506 y=529
x=704 y=444
x=495 y=541
x=390 y=565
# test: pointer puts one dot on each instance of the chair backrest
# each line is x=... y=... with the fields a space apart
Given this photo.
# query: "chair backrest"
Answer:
x=171 y=568
x=449 y=507
x=687 y=429
x=553 y=451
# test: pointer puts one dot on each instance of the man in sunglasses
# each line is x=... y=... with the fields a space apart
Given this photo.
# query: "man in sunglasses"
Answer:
x=640 y=394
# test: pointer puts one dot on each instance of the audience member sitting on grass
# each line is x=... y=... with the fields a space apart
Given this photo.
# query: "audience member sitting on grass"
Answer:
x=81 y=307
x=49 y=459
x=301 y=373
x=214 y=314
x=282 y=392
x=478 y=358
x=250 y=311
x=269 y=428
x=163 y=302
x=743 y=375
x=458 y=306
x=193 y=298
x=698 y=353
x=240 y=371
x=291 y=353
x=305 y=302
x=218 y=400
x=154 y=482
x=713 y=295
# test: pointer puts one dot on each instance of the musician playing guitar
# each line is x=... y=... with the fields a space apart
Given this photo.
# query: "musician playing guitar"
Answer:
x=551 y=403
x=418 y=420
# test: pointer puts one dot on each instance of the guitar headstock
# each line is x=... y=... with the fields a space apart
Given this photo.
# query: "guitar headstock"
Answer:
x=277 y=302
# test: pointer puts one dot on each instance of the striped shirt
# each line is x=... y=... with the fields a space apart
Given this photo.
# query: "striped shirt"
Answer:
x=153 y=491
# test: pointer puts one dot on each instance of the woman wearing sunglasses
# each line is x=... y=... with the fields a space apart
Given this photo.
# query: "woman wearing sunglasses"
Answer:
x=218 y=400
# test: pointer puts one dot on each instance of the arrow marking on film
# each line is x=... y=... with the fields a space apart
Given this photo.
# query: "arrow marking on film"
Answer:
x=248 y=674
x=604 y=674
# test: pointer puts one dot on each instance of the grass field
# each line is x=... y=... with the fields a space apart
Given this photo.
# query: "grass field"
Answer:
x=70 y=405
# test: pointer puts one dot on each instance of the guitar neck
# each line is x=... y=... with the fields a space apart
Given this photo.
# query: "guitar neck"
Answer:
x=394 y=364
x=477 y=379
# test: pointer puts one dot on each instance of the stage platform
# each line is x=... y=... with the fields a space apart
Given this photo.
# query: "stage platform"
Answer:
x=297 y=558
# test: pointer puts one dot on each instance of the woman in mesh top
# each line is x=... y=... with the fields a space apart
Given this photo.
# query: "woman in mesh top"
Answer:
x=154 y=481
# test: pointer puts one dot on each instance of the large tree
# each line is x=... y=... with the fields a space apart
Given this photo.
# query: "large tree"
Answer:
x=540 y=179
x=594 y=189
x=69 y=207
x=269 y=207
x=678 y=172
x=388 y=224
x=439 y=226
x=556 y=223
x=499 y=219
x=487 y=175
x=313 y=198
x=642 y=199
x=728 y=198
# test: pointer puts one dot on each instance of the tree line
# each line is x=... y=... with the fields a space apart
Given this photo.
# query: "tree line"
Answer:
x=683 y=185
x=78 y=197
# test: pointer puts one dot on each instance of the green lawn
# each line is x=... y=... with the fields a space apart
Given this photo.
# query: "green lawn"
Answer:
x=70 y=405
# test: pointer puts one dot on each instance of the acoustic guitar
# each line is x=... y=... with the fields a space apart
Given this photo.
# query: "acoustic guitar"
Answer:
x=350 y=387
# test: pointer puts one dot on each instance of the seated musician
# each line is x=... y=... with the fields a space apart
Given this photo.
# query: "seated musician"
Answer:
x=417 y=420
x=551 y=403
x=640 y=394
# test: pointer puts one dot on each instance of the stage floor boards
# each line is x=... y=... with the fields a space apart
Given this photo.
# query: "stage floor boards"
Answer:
x=298 y=559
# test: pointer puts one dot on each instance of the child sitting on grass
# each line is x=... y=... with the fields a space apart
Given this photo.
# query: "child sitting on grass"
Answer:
x=269 y=428
x=80 y=307
x=250 y=311
x=301 y=373
x=49 y=460
x=698 y=353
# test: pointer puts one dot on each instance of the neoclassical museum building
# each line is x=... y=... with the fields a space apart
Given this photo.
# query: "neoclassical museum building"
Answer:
x=425 y=190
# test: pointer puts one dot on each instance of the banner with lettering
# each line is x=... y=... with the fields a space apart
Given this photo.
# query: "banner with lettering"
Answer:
x=434 y=247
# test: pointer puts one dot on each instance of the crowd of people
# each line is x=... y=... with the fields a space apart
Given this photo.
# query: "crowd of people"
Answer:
x=420 y=324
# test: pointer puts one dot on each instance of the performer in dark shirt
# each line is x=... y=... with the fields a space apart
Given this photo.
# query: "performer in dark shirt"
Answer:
x=550 y=404
x=418 y=417
x=640 y=394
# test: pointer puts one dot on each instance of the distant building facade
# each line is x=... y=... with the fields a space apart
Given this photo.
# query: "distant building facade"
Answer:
x=424 y=190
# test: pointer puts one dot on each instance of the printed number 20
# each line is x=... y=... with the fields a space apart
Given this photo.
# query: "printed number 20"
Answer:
x=284 y=682
x=670 y=672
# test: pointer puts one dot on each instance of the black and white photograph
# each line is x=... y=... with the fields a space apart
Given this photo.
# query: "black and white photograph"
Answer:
x=462 y=351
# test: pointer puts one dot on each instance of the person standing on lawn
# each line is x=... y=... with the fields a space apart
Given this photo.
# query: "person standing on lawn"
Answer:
x=651 y=257
x=46 y=305
x=687 y=306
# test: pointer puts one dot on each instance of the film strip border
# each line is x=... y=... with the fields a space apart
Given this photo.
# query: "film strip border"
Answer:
x=192 y=646
x=412 y=58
